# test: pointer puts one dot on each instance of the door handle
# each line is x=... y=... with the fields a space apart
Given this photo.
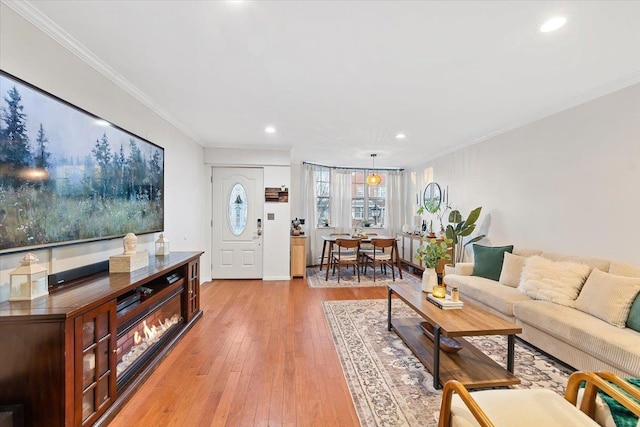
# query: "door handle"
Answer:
x=259 y=230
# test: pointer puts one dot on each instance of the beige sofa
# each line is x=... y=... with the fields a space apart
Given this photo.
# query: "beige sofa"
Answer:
x=569 y=334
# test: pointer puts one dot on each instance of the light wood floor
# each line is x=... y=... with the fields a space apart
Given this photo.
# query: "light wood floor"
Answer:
x=261 y=355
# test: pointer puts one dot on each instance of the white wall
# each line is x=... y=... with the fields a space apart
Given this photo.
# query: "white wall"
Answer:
x=276 y=233
x=29 y=54
x=569 y=183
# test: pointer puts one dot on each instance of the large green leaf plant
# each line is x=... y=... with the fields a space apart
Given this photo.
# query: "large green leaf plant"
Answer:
x=458 y=229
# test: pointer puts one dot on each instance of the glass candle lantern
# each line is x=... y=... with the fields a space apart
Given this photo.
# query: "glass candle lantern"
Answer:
x=29 y=281
x=439 y=291
x=162 y=246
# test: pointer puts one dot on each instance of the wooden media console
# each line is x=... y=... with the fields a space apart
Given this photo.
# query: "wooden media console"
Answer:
x=73 y=358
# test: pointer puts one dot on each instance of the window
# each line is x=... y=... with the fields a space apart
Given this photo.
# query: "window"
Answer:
x=323 y=180
x=368 y=202
x=237 y=210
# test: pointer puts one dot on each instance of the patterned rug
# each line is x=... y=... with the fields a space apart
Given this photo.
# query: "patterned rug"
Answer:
x=389 y=386
x=315 y=278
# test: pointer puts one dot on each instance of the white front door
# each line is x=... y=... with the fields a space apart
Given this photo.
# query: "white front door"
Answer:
x=238 y=204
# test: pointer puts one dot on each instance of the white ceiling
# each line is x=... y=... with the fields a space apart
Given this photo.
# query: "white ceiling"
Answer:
x=338 y=79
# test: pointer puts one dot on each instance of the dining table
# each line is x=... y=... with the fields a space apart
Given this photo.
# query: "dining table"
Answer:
x=328 y=242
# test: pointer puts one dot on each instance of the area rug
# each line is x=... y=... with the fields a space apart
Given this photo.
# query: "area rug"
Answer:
x=315 y=278
x=389 y=386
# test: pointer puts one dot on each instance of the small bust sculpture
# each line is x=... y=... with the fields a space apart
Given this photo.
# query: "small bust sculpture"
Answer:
x=130 y=243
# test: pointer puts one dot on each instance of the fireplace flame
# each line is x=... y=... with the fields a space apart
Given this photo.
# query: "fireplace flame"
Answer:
x=144 y=339
x=147 y=332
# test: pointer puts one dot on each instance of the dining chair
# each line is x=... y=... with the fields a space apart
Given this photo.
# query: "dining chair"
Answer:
x=329 y=243
x=368 y=246
x=346 y=251
x=347 y=254
x=382 y=255
x=534 y=407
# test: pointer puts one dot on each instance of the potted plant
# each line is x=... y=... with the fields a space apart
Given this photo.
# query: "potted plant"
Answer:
x=431 y=253
x=458 y=229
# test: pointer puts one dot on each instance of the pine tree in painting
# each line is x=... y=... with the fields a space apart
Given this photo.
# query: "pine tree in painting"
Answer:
x=14 y=145
x=41 y=158
x=155 y=173
x=102 y=154
x=119 y=163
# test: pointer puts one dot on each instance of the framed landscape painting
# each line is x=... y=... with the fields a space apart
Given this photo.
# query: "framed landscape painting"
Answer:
x=67 y=176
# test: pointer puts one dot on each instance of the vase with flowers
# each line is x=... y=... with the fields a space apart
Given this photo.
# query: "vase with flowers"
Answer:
x=431 y=252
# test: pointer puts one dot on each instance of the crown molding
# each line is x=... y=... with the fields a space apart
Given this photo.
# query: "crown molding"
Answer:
x=41 y=21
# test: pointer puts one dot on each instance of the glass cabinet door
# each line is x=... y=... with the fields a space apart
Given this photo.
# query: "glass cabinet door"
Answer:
x=193 y=289
x=95 y=366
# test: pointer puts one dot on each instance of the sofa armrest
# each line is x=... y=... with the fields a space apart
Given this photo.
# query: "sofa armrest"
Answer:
x=464 y=268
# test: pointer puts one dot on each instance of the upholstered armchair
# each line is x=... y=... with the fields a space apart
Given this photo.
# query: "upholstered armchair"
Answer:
x=533 y=407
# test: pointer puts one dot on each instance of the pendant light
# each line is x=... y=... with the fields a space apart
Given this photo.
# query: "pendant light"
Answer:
x=373 y=178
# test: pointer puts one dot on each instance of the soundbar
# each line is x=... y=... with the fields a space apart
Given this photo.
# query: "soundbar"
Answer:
x=57 y=279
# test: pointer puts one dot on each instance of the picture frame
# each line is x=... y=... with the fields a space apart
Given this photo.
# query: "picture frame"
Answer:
x=68 y=176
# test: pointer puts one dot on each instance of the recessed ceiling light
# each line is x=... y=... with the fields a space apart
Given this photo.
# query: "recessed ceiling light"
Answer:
x=400 y=135
x=103 y=123
x=553 y=24
x=270 y=129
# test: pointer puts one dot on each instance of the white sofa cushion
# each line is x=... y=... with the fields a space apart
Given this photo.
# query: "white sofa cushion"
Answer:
x=617 y=347
x=489 y=292
x=512 y=269
x=555 y=281
x=540 y=407
x=608 y=296
x=629 y=270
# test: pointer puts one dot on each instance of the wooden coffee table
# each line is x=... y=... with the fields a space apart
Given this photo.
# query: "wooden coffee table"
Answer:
x=470 y=365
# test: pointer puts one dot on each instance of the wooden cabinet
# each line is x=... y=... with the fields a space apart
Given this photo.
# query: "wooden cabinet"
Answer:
x=408 y=245
x=298 y=256
x=72 y=358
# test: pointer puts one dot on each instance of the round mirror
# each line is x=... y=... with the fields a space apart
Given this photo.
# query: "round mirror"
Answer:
x=432 y=197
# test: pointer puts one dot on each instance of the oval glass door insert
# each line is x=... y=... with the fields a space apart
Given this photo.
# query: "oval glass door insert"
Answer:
x=237 y=209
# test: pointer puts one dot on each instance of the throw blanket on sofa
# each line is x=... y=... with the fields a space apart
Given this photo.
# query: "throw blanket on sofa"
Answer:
x=621 y=415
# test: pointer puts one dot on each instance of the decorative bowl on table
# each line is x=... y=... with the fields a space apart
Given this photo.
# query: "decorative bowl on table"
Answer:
x=448 y=345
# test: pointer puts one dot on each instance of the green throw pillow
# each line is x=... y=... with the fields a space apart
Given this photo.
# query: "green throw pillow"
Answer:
x=487 y=260
x=633 y=321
